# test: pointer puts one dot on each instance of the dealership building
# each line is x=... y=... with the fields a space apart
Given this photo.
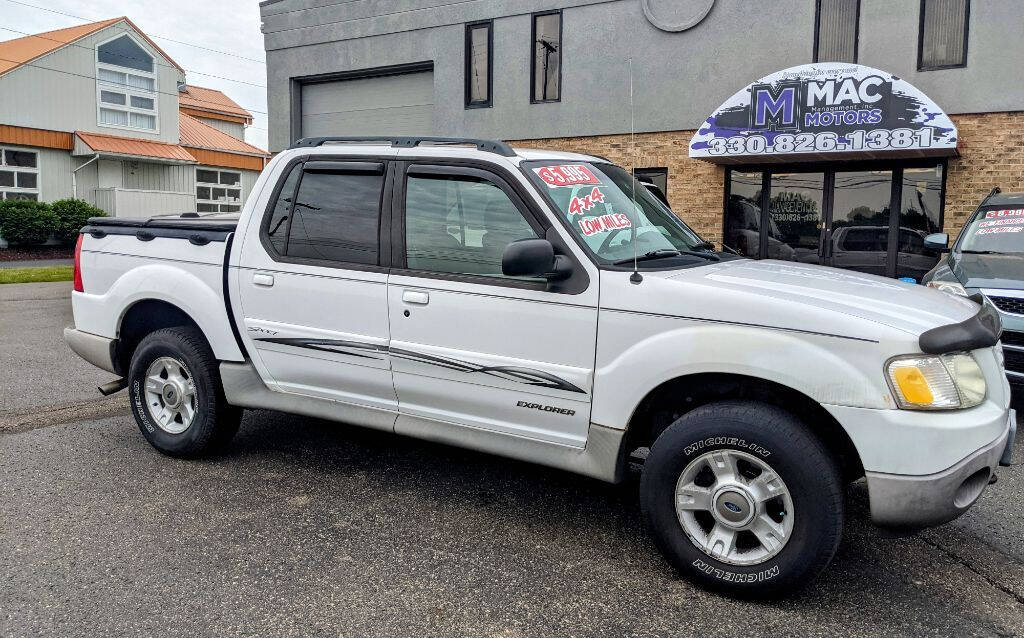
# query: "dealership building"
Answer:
x=838 y=132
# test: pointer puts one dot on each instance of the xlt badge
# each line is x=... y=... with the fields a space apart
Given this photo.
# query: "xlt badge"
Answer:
x=545 y=408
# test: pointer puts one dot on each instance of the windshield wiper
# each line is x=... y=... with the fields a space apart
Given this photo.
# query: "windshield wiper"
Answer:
x=983 y=252
x=665 y=252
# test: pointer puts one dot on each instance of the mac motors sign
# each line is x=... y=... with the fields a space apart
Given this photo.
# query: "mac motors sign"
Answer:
x=825 y=111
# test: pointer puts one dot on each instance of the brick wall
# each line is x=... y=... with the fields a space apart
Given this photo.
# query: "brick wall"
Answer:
x=991 y=154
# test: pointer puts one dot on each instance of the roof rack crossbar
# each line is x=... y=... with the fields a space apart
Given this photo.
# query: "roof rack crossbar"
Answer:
x=488 y=146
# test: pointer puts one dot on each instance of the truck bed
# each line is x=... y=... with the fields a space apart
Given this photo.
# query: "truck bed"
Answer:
x=198 y=230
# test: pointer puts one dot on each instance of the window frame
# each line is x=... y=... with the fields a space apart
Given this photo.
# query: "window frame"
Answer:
x=469 y=102
x=127 y=91
x=533 y=57
x=920 y=39
x=14 y=170
x=817 y=32
x=213 y=202
x=383 y=220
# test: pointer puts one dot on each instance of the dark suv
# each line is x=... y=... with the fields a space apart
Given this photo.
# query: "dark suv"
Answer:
x=988 y=258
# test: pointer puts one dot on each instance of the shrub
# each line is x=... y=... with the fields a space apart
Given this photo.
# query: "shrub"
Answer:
x=26 y=222
x=72 y=215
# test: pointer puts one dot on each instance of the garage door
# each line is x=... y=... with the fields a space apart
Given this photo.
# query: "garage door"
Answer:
x=389 y=105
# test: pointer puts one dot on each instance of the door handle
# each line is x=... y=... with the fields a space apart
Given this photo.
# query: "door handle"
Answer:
x=415 y=297
x=263 y=279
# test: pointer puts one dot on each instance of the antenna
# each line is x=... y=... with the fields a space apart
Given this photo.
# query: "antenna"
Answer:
x=636 y=277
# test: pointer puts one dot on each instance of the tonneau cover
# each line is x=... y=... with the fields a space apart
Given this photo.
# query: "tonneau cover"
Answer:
x=221 y=222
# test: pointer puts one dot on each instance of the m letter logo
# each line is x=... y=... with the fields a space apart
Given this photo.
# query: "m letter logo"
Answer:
x=774 y=108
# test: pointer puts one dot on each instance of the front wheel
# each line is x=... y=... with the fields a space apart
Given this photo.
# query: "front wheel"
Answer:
x=176 y=394
x=742 y=498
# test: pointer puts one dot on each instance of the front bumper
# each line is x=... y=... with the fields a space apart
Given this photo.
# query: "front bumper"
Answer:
x=97 y=350
x=924 y=501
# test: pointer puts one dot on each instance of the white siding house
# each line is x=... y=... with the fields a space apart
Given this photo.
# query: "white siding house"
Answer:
x=100 y=113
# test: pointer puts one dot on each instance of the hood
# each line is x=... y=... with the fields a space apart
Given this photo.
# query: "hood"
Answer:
x=822 y=299
x=989 y=271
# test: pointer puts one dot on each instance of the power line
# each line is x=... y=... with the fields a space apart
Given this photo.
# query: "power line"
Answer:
x=157 y=63
x=93 y=77
x=162 y=37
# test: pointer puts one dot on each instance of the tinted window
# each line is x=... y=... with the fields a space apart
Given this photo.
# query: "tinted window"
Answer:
x=335 y=217
x=836 y=39
x=478 y=64
x=547 y=57
x=125 y=52
x=277 y=226
x=943 y=37
x=460 y=225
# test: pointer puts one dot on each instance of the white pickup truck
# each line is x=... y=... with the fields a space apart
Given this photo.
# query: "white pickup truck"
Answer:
x=547 y=307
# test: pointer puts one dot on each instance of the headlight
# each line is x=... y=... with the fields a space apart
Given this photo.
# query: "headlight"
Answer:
x=921 y=382
x=951 y=287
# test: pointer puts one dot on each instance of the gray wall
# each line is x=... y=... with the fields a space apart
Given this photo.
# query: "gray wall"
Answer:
x=58 y=91
x=679 y=78
x=233 y=129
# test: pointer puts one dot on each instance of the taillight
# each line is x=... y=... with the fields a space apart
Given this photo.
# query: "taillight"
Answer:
x=78 y=265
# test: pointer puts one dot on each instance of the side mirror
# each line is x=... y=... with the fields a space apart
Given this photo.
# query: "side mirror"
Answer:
x=937 y=241
x=534 y=258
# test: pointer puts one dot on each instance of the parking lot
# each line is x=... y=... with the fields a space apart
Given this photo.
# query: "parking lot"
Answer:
x=309 y=528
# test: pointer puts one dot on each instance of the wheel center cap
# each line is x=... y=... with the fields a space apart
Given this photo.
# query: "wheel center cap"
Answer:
x=733 y=507
x=171 y=395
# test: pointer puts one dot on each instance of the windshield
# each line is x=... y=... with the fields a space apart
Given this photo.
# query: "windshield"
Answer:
x=596 y=201
x=998 y=231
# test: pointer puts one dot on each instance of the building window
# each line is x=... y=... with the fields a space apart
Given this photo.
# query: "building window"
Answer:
x=19 y=174
x=479 y=64
x=218 y=191
x=942 y=41
x=835 y=30
x=126 y=86
x=838 y=215
x=546 y=60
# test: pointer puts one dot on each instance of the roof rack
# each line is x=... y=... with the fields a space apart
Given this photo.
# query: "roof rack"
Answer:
x=488 y=146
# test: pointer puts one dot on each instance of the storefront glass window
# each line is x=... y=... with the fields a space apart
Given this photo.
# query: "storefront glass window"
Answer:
x=920 y=215
x=743 y=218
x=860 y=220
x=795 y=207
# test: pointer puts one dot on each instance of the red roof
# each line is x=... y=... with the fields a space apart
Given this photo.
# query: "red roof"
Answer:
x=198 y=134
x=203 y=99
x=134 y=147
x=20 y=51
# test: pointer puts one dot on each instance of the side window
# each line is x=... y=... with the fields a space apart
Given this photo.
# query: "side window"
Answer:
x=460 y=225
x=277 y=227
x=333 y=216
x=336 y=217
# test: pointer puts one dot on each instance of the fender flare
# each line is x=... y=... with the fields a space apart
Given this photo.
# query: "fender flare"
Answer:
x=187 y=292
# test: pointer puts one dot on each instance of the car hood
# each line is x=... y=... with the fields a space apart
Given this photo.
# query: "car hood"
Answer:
x=821 y=299
x=989 y=271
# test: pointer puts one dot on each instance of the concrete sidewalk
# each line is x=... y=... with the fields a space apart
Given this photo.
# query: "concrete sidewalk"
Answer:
x=37 y=263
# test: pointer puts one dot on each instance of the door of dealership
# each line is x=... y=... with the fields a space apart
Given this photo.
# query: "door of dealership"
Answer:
x=838 y=214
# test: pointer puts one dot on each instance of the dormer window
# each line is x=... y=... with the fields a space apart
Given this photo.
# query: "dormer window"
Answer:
x=126 y=87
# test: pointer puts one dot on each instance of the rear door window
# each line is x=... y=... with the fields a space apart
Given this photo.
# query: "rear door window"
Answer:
x=329 y=213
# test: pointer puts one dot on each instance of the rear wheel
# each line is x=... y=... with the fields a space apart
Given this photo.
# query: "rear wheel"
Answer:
x=741 y=497
x=176 y=394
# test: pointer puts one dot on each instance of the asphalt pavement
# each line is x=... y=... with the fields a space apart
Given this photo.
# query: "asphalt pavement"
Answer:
x=310 y=528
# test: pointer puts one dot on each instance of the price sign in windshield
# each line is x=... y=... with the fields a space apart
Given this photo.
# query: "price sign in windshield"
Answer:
x=566 y=175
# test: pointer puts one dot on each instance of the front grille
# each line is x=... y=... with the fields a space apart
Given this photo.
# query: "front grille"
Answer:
x=1013 y=339
x=1014 y=360
x=1014 y=305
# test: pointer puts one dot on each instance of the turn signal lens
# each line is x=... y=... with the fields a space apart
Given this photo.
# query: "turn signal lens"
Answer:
x=912 y=385
x=936 y=383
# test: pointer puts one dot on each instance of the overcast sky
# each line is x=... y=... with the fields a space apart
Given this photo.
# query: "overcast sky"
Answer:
x=232 y=26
